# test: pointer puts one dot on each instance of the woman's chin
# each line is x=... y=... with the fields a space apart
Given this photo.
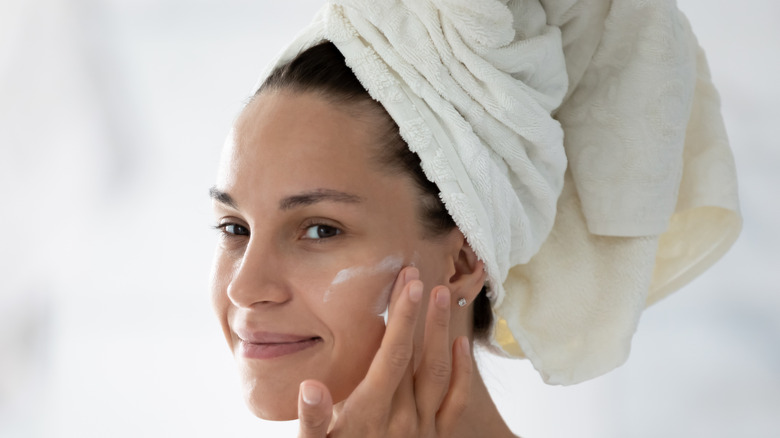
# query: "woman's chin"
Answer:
x=274 y=409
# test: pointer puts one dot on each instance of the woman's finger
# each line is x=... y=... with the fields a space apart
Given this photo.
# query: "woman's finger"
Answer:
x=395 y=353
x=402 y=414
x=315 y=408
x=459 y=389
x=432 y=378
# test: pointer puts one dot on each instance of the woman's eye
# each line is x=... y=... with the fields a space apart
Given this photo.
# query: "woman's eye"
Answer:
x=234 y=229
x=321 y=232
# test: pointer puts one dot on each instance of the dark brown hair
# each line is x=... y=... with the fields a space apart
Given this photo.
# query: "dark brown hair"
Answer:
x=322 y=70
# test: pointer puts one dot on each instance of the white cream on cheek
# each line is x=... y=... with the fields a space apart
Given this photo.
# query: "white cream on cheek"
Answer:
x=390 y=264
x=383 y=304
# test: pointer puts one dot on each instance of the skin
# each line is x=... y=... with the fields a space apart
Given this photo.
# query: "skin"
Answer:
x=299 y=198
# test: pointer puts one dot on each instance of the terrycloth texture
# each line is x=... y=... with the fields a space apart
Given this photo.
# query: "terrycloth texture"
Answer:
x=494 y=96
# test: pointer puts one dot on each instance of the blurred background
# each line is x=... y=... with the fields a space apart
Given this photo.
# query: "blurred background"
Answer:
x=112 y=115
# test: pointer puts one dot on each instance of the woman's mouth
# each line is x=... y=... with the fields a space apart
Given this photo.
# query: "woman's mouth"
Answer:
x=272 y=345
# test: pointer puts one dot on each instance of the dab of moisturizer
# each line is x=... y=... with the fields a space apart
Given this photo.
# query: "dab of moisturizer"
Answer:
x=389 y=264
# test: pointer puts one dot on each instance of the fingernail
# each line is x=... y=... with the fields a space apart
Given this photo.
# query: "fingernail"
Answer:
x=311 y=395
x=464 y=346
x=442 y=298
x=415 y=292
x=411 y=274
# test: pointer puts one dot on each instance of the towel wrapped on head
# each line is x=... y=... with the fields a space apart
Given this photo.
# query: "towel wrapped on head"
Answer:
x=577 y=145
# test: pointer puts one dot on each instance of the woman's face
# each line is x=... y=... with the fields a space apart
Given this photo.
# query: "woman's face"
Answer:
x=314 y=232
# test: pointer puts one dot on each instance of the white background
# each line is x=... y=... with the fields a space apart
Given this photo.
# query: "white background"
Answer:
x=112 y=114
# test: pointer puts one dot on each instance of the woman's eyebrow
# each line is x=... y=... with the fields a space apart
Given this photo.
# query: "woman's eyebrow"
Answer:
x=222 y=197
x=319 y=195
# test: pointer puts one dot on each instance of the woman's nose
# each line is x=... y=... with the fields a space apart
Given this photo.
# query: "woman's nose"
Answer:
x=258 y=279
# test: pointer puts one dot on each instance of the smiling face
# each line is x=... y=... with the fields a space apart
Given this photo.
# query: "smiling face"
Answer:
x=314 y=231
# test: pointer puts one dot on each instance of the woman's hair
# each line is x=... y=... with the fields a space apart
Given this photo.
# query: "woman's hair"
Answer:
x=322 y=70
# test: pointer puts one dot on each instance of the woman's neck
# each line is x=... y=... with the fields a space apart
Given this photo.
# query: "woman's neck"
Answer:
x=481 y=417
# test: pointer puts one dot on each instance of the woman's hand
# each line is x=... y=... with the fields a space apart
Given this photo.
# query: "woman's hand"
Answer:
x=394 y=400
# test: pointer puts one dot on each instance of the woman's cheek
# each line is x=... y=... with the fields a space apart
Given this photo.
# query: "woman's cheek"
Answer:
x=365 y=289
x=358 y=303
x=352 y=331
x=219 y=279
x=354 y=305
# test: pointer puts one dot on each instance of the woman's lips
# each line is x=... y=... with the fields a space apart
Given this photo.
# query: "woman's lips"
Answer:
x=271 y=345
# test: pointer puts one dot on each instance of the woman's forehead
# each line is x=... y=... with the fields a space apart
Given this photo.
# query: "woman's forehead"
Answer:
x=289 y=143
x=303 y=127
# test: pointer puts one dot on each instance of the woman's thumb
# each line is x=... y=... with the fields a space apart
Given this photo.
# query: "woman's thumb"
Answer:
x=315 y=408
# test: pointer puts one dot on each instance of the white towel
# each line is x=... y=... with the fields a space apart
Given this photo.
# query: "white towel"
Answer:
x=496 y=96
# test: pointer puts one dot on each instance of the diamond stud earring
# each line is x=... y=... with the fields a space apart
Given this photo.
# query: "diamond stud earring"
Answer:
x=462 y=302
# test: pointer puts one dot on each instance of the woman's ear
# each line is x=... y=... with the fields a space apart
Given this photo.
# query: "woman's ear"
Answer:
x=469 y=271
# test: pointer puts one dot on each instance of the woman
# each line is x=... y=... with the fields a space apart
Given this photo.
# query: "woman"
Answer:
x=328 y=216
x=318 y=172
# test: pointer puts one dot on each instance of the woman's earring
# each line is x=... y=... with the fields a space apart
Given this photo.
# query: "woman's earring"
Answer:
x=462 y=302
